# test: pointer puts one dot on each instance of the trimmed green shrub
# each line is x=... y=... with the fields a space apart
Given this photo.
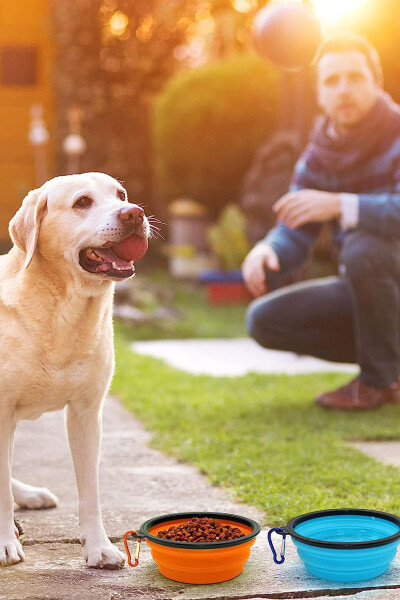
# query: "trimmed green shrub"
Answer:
x=207 y=124
x=228 y=238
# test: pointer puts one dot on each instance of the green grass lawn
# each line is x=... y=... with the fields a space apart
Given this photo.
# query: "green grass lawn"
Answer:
x=261 y=436
x=196 y=317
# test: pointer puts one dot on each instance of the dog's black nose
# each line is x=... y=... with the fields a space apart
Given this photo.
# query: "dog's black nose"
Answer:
x=132 y=213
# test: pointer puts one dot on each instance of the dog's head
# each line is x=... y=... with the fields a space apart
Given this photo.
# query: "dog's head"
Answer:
x=82 y=222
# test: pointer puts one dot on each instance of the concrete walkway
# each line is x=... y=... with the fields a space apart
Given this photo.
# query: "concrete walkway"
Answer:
x=137 y=483
x=233 y=357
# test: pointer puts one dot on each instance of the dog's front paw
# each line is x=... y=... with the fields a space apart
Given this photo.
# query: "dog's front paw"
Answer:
x=35 y=497
x=102 y=554
x=11 y=552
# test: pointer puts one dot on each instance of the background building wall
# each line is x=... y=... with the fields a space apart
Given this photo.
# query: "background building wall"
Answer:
x=25 y=80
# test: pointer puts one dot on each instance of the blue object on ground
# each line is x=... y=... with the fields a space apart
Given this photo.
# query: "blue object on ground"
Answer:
x=221 y=275
x=343 y=545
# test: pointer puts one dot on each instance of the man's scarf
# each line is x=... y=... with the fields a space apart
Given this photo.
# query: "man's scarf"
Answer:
x=376 y=132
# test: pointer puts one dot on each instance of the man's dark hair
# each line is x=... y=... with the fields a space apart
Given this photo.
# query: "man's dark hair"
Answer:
x=350 y=42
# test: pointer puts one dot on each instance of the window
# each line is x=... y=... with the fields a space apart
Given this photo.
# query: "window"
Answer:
x=18 y=65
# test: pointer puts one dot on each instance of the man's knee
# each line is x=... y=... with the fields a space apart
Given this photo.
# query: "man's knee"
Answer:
x=254 y=319
x=364 y=254
x=262 y=322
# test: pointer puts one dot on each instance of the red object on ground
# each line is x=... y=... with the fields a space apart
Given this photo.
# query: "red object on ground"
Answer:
x=287 y=34
x=133 y=247
x=227 y=292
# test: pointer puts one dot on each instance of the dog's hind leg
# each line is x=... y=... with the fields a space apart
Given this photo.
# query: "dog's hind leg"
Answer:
x=28 y=496
x=10 y=549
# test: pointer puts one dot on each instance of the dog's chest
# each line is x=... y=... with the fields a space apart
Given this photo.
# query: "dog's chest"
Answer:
x=56 y=385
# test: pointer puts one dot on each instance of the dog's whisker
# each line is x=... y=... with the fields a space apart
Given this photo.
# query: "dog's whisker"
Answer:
x=156 y=234
x=153 y=219
x=155 y=229
x=152 y=224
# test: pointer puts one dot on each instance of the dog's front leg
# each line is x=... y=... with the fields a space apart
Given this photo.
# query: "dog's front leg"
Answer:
x=10 y=549
x=84 y=433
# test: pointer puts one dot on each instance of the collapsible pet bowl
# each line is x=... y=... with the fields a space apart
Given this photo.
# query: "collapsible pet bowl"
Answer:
x=344 y=544
x=191 y=562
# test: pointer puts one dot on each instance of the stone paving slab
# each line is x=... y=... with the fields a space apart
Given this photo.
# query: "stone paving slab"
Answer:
x=233 y=357
x=137 y=483
x=385 y=452
x=56 y=572
x=388 y=594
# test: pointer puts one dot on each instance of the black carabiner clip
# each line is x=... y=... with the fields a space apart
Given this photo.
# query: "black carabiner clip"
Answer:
x=281 y=532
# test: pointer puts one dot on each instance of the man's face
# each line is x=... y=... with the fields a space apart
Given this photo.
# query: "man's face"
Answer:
x=346 y=88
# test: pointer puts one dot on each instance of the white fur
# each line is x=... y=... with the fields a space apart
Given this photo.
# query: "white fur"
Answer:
x=56 y=346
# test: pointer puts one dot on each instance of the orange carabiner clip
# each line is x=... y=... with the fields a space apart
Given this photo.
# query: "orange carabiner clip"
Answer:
x=139 y=539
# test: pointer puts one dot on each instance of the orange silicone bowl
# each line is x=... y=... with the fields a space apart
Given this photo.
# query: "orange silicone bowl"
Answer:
x=207 y=562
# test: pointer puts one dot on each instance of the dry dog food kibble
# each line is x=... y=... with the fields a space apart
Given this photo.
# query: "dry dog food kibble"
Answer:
x=201 y=530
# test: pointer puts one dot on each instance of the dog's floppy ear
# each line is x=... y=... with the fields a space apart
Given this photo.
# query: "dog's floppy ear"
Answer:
x=25 y=225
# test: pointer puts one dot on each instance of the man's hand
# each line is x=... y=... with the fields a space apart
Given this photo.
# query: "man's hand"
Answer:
x=260 y=258
x=305 y=206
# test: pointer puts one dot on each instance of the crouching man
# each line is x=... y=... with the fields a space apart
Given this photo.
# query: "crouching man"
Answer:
x=349 y=176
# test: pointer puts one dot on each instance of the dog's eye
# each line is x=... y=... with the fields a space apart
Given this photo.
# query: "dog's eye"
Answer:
x=83 y=202
x=121 y=195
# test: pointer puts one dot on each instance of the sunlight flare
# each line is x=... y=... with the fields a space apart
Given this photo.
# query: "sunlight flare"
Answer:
x=331 y=12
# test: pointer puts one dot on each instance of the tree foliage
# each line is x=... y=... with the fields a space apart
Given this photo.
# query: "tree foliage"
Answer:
x=113 y=75
x=208 y=123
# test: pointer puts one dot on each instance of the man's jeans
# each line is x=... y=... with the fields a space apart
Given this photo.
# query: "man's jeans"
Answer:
x=351 y=318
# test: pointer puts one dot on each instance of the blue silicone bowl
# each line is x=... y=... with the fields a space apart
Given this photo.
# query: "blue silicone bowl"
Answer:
x=343 y=545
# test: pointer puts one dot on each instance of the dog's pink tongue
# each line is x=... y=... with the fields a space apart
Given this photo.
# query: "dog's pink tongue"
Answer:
x=133 y=247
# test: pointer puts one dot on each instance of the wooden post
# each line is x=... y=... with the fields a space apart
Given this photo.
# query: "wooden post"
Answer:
x=38 y=138
x=74 y=145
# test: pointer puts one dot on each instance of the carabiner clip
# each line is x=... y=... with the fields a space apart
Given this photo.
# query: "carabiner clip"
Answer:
x=281 y=532
x=137 y=552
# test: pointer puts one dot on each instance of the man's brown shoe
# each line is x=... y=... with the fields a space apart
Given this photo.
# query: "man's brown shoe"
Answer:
x=393 y=393
x=358 y=396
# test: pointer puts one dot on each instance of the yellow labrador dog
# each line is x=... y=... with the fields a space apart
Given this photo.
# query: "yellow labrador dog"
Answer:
x=73 y=238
